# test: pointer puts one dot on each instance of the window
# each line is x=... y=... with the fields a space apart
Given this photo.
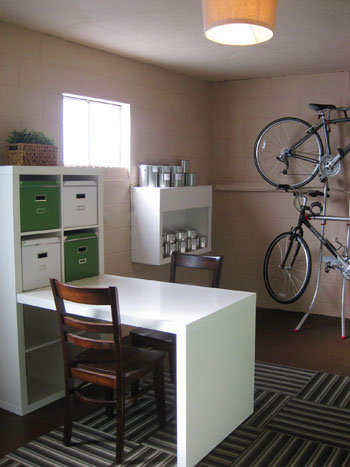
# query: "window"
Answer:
x=95 y=132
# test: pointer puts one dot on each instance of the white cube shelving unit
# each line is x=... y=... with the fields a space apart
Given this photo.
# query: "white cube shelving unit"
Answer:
x=31 y=367
x=157 y=210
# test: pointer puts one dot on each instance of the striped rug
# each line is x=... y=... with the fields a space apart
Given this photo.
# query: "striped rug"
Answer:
x=301 y=418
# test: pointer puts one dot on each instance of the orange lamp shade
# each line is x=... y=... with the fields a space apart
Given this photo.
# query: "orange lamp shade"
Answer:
x=239 y=22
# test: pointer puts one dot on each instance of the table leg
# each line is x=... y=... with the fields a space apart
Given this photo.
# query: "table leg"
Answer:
x=215 y=379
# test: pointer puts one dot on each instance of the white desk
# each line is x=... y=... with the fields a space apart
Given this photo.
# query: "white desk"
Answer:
x=215 y=332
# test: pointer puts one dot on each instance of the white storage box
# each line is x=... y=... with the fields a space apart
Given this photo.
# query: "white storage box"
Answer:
x=79 y=198
x=41 y=260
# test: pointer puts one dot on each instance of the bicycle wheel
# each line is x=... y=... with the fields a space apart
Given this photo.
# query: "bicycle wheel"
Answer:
x=287 y=267
x=285 y=154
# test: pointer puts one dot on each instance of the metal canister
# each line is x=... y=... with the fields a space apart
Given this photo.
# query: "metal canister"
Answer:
x=185 y=166
x=169 y=237
x=191 y=233
x=197 y=241
x=194 y=244
x=181 y=235
x=172 y=248
x=153 y=176
x=177 y=175
x=166 y=250
x=178 y=180
x=183 y=247
x=143 y=174
x=164 y=176
x=203 y=241
x=190 y=179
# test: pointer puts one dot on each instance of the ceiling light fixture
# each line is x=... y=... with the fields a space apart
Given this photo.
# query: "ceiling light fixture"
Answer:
x=239 y=22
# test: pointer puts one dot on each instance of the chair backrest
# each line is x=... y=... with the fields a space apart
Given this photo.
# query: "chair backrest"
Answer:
x=209 y=263
x=81 y=332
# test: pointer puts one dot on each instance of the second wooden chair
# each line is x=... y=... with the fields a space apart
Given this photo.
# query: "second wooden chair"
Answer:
x=165 y=341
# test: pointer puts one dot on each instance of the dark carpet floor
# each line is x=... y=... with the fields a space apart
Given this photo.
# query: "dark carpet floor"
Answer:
x=301 y=418
x=317 y=347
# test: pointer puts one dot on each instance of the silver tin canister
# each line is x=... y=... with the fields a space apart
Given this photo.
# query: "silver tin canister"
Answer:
x=143 y=174
x=178 y=179
x=181 y=235
x=185 y=166
x=203 y=241
x=177 y=175
x=190 y=179
x=153 y=176
x=194 y=244
x=172 y=248
x=166 y=250
x=191 y=233
x=169 y=237
x=164 y=180
x=183 y=247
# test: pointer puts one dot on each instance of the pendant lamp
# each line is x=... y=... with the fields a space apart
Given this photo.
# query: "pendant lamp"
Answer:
x=239 y=22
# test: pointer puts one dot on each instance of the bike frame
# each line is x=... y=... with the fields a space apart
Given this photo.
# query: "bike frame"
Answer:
x=304 y=220
x=325 y=124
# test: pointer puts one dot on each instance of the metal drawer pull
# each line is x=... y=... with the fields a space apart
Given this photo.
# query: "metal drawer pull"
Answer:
x=39 y=198
x=80 y=195
x=82 y=249
x=40 y=210
x=83 y=261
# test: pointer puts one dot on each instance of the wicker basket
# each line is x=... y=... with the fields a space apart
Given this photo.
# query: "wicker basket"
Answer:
x=31 y=154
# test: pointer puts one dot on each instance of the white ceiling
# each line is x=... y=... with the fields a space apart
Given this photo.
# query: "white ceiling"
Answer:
x=311 y=36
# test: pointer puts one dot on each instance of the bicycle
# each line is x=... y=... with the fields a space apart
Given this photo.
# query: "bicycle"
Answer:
x=287 y=264
x=289 y=151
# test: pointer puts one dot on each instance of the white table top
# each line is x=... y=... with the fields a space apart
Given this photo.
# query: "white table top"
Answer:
x=157 y=305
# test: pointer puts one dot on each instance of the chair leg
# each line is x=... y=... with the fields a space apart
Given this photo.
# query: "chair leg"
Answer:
x=68 y=418
x=159 y=392
x=120 y=425
x=109 y=397
x=172 y=364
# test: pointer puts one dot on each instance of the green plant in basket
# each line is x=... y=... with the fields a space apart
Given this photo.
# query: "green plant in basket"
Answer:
x=30 y=137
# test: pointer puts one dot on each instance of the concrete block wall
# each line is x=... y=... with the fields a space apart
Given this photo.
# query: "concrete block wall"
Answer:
x=246 y=221
x=169 y=117
x=174 y=117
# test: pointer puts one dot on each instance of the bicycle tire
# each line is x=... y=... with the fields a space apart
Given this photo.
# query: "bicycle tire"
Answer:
x=274 y=141
x=287 y=284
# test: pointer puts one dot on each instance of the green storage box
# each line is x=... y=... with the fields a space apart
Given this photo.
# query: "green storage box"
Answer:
x=39 y=205
x=80 y=256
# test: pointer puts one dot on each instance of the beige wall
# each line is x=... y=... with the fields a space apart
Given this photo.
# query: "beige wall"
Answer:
x=175 y=117
x=169 y=116
x=246 y=221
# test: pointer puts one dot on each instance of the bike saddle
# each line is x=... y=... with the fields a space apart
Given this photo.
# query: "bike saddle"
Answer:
x=319 y=107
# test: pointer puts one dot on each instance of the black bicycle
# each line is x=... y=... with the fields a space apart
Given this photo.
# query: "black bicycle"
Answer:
x=289 y=151
x=287 y=265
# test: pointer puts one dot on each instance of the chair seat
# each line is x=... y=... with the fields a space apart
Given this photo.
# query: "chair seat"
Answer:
x=137 y=363
x=156 y=335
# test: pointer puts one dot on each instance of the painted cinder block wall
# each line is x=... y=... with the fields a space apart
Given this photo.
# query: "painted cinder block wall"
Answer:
x=248 y=214
x=176 y=117
x=169 y=117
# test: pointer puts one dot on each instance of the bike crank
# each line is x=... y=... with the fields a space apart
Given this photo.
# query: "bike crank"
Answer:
x=329 y=167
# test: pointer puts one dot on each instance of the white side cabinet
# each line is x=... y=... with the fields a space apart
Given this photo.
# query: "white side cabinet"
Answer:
x=158 y=210
x=31 y=368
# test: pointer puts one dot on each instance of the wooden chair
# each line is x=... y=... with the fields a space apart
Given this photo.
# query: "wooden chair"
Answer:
x=142 y=337
x=103 y=362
